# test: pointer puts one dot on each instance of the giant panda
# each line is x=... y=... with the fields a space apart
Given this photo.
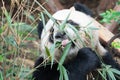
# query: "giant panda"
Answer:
x=81 y=58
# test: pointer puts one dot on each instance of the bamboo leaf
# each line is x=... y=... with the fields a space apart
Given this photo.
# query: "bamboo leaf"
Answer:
x=46 y=12
x=77 y=34
x=65 y=52
x=47 y=52
x=111 y=75
x=62 y=26
x=115 y=71
x=65 y=73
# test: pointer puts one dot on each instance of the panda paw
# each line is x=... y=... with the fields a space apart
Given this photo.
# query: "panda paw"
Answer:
x=87 y=53
x=87 y=57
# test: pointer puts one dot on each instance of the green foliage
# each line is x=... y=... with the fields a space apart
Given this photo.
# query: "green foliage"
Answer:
x=63 y=73
x=61 y=68
x=17 y=29
x=10 y=40
x=110 y=15
x=20 y=27
x=1 y=76
x=23 y=73
x=118 y=3
x=1 y=58
x=1 y=30
x=48 y=53
x=65 y=52
x=108 y=71
x=115 y=44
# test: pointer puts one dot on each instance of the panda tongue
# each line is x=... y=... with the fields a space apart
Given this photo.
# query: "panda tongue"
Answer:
x=65 y=42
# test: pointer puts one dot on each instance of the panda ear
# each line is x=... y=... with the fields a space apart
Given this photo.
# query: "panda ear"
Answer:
x=83 y=8
x=40 y=28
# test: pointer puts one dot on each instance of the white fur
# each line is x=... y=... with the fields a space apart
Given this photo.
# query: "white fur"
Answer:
x=84 y=22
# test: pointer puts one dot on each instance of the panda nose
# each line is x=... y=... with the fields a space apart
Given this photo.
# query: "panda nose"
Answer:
x=60 y=35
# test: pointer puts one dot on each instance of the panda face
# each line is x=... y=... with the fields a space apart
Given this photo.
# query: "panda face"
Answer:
x=52 y=33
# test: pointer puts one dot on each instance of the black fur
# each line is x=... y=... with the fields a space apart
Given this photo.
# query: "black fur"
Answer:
x=45 y=72
x=85 y=62
x=40 y=28
x=108 y=59
x=83 y=8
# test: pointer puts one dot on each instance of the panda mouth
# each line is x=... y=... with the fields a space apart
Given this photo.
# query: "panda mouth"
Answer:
x=62 y=43
x=65 y=42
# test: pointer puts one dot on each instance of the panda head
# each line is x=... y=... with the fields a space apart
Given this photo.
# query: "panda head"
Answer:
x=74 y=31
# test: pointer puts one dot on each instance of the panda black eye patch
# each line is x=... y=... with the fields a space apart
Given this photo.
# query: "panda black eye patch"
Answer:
x=52 y=30
x=51 y=38
x=72 y=23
